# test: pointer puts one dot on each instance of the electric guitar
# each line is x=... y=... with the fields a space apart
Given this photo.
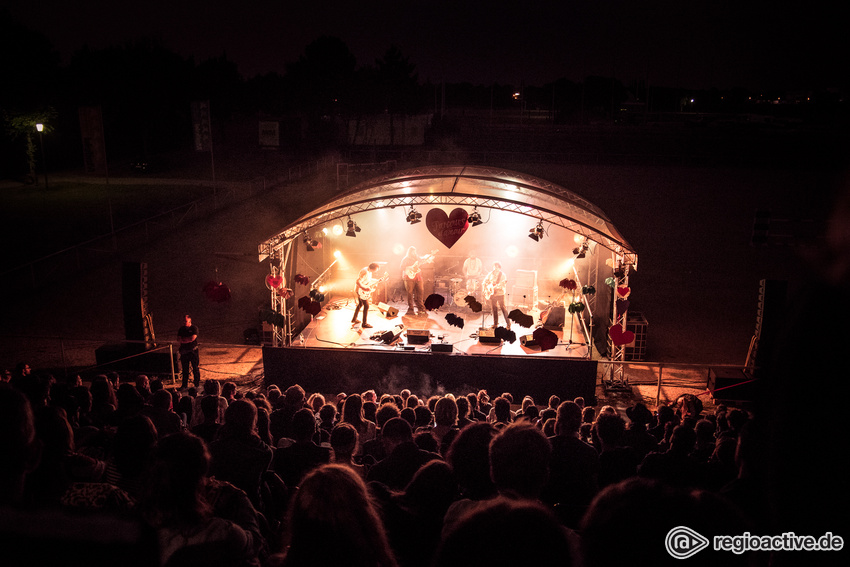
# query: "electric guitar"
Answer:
x=488 y=291
x=413 y=269
x=366 y=294
x=491 y=287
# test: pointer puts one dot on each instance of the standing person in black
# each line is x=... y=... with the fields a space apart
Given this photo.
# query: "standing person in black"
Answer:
x=495 y=288
x=411 y=276
x=188 y=338
x=364 y=286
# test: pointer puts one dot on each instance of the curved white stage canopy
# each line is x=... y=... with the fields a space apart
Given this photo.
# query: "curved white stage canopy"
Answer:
x=470 y=186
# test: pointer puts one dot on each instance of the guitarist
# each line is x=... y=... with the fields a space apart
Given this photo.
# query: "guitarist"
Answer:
x=495 y=287
x=411 y=275
x=363 y=287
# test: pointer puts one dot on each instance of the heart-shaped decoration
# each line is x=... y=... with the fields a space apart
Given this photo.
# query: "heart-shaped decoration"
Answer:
x=624 y=292
x=621 y=337
x=622 y=306
x=274 y=282
x=545 y=338
x=447 y=228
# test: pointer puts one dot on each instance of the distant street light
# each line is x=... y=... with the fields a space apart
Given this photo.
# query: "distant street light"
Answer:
x=40 y=128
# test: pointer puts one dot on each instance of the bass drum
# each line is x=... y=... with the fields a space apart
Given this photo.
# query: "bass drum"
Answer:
x=458 y=298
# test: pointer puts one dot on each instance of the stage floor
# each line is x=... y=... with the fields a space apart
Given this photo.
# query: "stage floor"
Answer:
x=332 y=328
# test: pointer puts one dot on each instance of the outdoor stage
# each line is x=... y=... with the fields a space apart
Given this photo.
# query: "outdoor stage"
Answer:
x=550 y=243
x=428 y=355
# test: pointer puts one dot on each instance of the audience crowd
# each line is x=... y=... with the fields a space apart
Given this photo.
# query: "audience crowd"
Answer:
x=129 y=470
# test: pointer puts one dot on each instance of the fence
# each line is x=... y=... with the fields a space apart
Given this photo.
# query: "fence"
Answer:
x=64 y=357
x=656 y=382
x=678 y=378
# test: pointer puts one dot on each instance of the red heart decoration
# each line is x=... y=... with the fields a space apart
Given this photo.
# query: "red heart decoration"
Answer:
x=217 y=291
x=545 y=338
x=274 y=282
x=619 y=336
x=447 y=228
x=624 y=292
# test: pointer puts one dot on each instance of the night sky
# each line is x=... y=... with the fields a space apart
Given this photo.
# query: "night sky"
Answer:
x=690 y=44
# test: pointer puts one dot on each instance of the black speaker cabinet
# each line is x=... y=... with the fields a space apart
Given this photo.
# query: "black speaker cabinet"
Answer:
x=488 y=336
x=528 y=341
x=732 y=384
x=418 y=336
x=131 y=357
x=555 y=318
x=134 y=291
x=441 y=347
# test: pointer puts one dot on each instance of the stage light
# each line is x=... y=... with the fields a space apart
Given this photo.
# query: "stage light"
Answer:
x=337 y=230
x=475 y=217
x=316 y=295
x=536 y=233
x=414 y=216
x=353 y=229
x=311 y=243
x=337 y=254
x=581 y=251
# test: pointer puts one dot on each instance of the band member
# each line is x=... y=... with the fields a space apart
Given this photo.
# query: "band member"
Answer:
x=411 y=275
x=363 y=289
x=495 y=287
x=473 y=269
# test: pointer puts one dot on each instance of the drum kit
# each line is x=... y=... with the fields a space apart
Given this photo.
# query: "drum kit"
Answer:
x=459 y=289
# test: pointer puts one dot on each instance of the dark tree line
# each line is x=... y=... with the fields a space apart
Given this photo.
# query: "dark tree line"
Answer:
x=145 y=91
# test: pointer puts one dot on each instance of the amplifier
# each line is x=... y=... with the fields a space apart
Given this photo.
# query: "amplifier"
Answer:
x=488 y=336
x=418 y=336
x=555 y=317
x=441 y=347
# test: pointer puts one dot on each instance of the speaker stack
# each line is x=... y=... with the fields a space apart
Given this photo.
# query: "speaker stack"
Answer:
x=134 y=292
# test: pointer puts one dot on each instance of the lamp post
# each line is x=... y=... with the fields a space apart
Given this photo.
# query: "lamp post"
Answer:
x=40 y=128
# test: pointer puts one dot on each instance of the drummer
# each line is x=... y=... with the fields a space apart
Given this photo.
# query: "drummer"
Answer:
x=473 y=269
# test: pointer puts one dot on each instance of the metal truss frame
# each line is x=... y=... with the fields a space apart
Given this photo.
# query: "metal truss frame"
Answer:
x=463 y=186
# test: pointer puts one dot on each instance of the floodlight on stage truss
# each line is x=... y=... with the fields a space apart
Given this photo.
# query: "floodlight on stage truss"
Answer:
x=475 y=217
x=353 y=229
x=316 y=295
x=536 y=233
x=581 y=251
x=311 y=243
x=414 y=216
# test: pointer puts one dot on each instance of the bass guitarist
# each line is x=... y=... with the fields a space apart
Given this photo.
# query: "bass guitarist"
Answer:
x=411 y=275
x=495 y=287
x=364 y=286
